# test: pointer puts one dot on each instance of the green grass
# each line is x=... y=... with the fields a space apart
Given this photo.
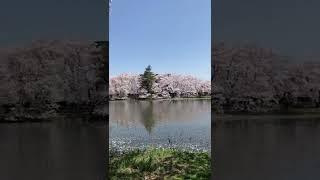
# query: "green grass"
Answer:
x=160 y=164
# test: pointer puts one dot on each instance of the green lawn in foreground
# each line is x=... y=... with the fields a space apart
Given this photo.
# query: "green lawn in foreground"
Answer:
x=160 y=164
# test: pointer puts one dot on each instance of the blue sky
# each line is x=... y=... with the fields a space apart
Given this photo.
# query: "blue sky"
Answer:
x=173 y=36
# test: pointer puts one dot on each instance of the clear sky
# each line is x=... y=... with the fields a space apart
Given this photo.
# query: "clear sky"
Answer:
x=173 y=36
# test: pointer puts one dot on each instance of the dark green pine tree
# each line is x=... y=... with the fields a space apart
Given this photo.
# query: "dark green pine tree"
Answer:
x=147 y=79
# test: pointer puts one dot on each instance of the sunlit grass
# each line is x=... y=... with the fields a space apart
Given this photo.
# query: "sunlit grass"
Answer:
x=160 y=164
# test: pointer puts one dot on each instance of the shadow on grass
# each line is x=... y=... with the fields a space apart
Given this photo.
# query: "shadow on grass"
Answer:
x=160 y=164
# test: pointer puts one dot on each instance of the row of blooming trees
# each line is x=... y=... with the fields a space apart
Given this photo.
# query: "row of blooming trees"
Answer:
x=164 y=86
x=248 y=78
x=38 y=77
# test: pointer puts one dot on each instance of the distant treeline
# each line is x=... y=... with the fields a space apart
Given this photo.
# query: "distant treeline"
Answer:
x=42 y=79
x=164 y=86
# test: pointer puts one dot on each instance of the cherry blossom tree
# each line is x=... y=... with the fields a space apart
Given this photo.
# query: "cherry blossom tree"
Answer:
x=256 y=79
x=165 y=86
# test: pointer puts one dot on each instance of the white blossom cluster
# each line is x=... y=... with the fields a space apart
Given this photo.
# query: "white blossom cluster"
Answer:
x=166 y=86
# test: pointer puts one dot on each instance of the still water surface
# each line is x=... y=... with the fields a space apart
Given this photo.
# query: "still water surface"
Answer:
x=278 y=147
x=53 y=150
x=165 y=123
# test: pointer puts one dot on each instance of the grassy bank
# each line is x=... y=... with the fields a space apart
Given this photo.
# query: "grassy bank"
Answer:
x=160 y=164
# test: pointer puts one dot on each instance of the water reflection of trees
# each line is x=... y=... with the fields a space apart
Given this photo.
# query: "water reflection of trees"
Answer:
x=148 y=119
x=147 y=113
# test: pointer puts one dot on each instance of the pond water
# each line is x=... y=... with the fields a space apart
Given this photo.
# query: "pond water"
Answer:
x=182 y=124
x=284 y=147
x=53 y=150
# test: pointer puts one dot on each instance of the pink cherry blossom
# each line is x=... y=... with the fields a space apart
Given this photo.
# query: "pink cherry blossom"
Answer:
x=164 y=86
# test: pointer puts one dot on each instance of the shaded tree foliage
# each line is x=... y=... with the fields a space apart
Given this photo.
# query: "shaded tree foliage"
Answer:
x=43 y=74
x=253 y=79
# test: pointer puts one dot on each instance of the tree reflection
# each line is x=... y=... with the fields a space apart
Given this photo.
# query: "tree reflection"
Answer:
x=151 y=113
x=148 y=116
